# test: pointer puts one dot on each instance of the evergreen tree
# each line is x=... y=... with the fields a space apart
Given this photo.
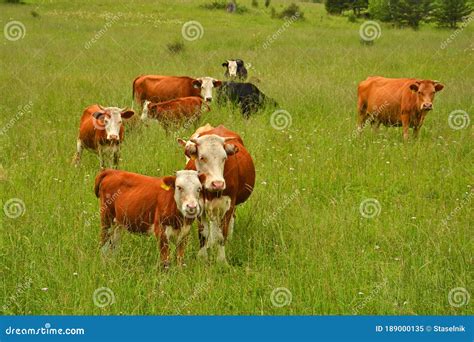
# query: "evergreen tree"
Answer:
x=450 y=12
x=380 y=10
x=409 y=12
x=335 y=6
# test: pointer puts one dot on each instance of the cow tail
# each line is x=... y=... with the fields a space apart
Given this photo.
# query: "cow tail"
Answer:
x=133 y=87
x=98 y=180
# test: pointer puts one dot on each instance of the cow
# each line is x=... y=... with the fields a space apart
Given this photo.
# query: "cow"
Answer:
x=184 y=110
x=246 y=95
x=396 y=102
x=165 y=207
x=235 y=69
x=156 y=88
x=101 y=131
x=219 y=154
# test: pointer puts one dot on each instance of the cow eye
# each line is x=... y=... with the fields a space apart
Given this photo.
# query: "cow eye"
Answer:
x=202 y=158
x=179 y=188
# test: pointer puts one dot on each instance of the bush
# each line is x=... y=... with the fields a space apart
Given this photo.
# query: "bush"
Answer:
x=449 y=13
x=176 y=47
x=352 y=18
x=222 y=5
x=291 y=11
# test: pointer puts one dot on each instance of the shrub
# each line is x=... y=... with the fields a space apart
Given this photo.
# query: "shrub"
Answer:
x=175 y=47
x=290 y=12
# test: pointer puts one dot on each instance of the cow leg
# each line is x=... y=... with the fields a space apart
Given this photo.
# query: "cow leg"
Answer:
x=101 y=153
x=222 y=238
x=116 y=157
x=406 y=126
x=181 y=244
x=77 y=156
x=375 y=125
x=203 y=232
x=362 y=117
x=416 y=131
x=163 y=241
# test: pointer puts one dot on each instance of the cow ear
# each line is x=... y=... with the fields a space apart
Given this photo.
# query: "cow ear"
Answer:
x=168 y=182
x=217 y=83
x=438 y=86
x=182 y=142
x=127 y=114
x=197 y=84
x=225 y=64
x=98 y=115
x=231 y=149
x=190 y=150
x=414 y=86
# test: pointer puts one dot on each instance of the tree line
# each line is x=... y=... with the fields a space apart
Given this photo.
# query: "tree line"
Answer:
x=445 y=13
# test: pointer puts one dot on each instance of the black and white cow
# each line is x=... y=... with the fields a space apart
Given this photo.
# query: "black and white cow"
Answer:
x=246 y=95
x=235 y=69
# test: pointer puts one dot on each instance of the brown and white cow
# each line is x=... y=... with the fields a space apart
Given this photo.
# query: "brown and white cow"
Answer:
x=165 y=207
x=157 y=88
x=219 y=154
x=101 y=131
x=396 y=102
x=175 y=112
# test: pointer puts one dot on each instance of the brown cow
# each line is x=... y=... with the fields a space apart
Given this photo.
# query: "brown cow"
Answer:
x=175 y=112
x=157 y=88
x=396 y=102
x=165 y=207
x=220 y=155
x=101 y=131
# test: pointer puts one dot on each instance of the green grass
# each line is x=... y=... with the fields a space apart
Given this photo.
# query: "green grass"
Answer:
x=332 y=260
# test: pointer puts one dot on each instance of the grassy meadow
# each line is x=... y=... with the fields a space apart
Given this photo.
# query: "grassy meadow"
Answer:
x=302 y=229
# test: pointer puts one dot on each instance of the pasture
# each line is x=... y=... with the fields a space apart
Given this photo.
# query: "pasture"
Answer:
x=302 y=229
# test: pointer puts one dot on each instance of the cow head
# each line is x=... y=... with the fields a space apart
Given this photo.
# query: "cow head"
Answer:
x=425 y=92
x=233 y=66
x=110 y=119
x=210 y=153
x=206 y=84
x=187 y=185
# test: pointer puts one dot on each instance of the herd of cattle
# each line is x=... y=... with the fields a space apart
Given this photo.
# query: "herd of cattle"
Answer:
x=219 y=172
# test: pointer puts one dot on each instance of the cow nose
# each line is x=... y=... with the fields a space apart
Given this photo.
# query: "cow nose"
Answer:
x=113 y=137
x=191 y=206
x=428 y=106
x=218 y=185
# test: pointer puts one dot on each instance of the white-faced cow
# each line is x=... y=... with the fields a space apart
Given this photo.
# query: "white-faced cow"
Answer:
x=235 y=69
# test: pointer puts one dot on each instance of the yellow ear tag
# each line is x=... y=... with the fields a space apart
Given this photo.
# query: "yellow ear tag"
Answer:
x=193 y=157
x=165 y=187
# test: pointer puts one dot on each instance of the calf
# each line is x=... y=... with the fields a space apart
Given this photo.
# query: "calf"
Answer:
x=157 y=88
x=219 y=154
x=101 y=131
x=246 y=95
x=235 y=69
x=175 y=112
x=165 y=207
x=396 y=102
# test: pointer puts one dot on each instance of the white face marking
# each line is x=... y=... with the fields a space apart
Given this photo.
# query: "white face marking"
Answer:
x=207 y=84
x=211 y=157
x=187 y=193
x=232 y=67
x=113 y=122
